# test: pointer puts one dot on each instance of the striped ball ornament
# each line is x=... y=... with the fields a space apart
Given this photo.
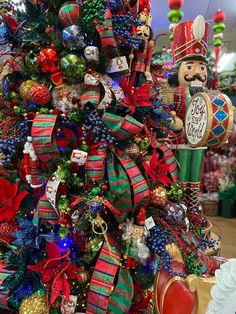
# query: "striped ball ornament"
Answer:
x=69 y=13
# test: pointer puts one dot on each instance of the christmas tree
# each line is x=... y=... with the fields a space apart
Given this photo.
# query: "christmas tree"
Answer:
x=92 y=212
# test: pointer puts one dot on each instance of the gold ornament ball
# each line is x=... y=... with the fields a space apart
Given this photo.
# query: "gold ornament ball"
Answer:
x=159 y=195
x=35 y=304
x=25 y=89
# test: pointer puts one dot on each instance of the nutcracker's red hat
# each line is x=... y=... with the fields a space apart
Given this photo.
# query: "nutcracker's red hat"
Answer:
x=191 y=39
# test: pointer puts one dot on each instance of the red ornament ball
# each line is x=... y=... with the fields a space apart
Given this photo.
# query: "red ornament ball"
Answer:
x=48 y=60
x=69 y=13
x=40 y=95
x=219 y=16
x=175 y=4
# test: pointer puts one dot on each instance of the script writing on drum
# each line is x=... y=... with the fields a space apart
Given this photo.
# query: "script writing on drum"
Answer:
x=196 y=120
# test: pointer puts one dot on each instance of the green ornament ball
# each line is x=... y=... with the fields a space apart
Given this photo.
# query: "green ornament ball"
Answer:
x=143 y=145
x=84 y=147
x=63 y=204
x=217 y=42
x=63 y=173
x=63 y=232
x=96 y=190
x=218 y=27
x=73 y=68
x=175 y=15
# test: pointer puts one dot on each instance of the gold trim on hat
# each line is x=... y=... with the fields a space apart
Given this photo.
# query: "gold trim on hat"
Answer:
x=189 y=44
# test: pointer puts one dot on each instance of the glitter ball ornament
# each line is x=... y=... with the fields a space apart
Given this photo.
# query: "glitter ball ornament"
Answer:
x=48 y=60
x=40 y=95
x=159 y=195
x=175 y=214
x=25 y=89
x=35 y=304
x=69 y=13
x=73 y=68
x=6 y=230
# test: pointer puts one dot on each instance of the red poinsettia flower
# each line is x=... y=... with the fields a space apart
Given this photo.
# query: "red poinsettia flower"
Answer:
x=157 y=170
x=136 y=96
x=9 y=199
x=55 y=271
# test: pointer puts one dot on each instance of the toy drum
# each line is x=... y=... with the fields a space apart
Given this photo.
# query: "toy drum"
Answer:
x=209 y=119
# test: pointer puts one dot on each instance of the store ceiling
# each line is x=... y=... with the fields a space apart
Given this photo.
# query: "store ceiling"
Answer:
x=191 y=9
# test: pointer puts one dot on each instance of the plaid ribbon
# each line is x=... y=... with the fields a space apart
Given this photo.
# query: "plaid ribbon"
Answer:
x=102 y=280
x=45 y=212
x=12 y=64
x=119 y=185
x=105 y=31
x=170 y=159
x=42 y=137
x=95 y=165
x=4 y=273
x=139 y=185
x=122 y=296
x=91 y=95
x=5 y=109
x=122 y=127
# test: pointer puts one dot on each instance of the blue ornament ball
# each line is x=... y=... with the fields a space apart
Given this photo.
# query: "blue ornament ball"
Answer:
x=73 y=38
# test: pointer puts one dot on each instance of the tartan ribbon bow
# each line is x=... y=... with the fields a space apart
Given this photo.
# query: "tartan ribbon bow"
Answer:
x=11 y=64
x=136 y=96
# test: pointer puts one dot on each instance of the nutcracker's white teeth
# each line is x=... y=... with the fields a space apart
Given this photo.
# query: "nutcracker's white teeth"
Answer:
x=196 y=83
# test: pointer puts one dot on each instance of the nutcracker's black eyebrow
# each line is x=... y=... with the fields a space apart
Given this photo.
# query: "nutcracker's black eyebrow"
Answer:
x=202 y=63
x=190 y=62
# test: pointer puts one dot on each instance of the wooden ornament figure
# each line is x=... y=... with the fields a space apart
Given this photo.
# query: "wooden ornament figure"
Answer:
x=142 y=57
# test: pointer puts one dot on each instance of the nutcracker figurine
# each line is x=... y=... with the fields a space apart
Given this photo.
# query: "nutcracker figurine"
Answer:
x=190 y=74
x=142 y=58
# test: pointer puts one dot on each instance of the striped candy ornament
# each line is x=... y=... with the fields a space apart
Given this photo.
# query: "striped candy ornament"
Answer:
x=122 y=127
x=42 y=137
x=102 y=280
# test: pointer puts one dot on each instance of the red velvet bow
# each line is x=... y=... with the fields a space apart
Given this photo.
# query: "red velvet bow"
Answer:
x=135 y=96
x=157 y=170
x=55 y=271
